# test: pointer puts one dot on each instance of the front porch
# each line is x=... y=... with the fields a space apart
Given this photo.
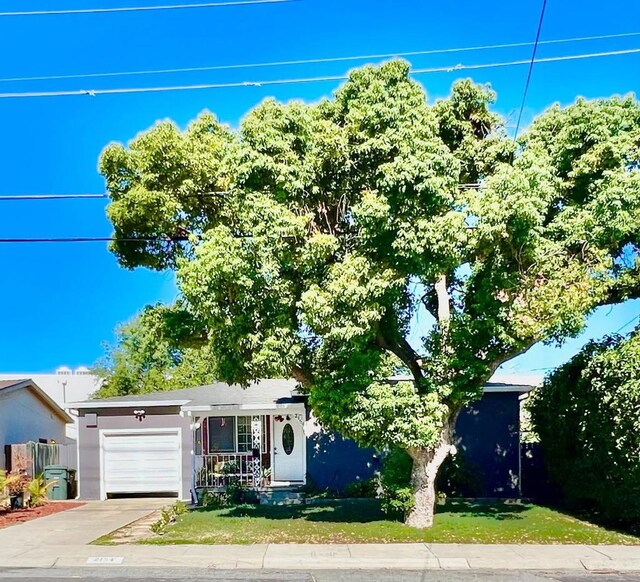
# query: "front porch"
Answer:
x=257 y=449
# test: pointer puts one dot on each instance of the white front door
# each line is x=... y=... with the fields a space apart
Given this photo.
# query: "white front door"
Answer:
x=288 y=450
x=141 y=462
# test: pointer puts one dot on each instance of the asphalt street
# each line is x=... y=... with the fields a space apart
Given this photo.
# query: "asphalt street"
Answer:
x=386 y=575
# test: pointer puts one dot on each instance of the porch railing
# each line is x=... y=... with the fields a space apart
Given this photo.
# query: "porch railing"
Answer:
x=221 y=469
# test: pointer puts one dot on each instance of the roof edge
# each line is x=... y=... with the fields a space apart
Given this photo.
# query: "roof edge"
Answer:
x=125 y=403
x=42 y=395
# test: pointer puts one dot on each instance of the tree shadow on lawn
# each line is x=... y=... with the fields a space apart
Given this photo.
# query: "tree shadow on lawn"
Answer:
x=594 y=517
x=369 y=510
x=496 y=509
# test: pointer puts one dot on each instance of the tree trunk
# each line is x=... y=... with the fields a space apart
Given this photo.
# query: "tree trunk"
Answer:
x=426 y=463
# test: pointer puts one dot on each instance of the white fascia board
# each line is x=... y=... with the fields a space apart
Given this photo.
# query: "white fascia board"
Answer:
x=124 y=404
x=243 y=407
x=43 y=396
x=508 y=388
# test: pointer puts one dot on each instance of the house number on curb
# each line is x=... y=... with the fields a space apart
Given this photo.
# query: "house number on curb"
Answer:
x=105 y=560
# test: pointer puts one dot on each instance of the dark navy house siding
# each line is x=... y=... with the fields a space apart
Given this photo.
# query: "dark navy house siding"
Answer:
x=333 y=461
x=487 y=436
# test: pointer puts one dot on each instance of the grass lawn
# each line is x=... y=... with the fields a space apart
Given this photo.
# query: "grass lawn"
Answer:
x=362 y=521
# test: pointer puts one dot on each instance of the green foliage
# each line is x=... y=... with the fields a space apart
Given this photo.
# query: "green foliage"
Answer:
x=458 y=477
x=37 y=489
x=168 y=515
x=361 y=488
x=587 y=415
x=306 y=243
x=4 y=494
x=360 y=521
x=161 y=349
x=15 y=482
x=395 y=481
x=215 y=499
x=234 y=493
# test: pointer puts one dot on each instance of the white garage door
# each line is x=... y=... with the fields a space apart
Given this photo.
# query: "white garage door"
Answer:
x=143 y=462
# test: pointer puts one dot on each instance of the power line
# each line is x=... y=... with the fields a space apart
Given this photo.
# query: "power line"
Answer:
x=533 y=59
x=50 y=196
x=143 y=8
x=341 y=77
x=40 y=197
x=37 y=197
x=316 y=61
x=627 y=324
x=87 y=239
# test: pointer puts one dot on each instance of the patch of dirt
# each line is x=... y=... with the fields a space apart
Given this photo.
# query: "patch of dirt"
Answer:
x=8 y=517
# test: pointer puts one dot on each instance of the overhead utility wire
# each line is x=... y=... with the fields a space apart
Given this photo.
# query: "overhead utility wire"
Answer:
x=316 y=61
x=50 y=196
x=341 y=77
x=533 y=59
x=142 y=8
x=627 y=324
x=84 y=239
x=38 y=197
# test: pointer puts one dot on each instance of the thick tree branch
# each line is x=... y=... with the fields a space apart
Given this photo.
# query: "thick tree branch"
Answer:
x=401 y=348
x=302 y=376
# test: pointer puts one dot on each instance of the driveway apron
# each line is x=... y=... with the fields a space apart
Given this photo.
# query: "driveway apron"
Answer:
x=78 y=526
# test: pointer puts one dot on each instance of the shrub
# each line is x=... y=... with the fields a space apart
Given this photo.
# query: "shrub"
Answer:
x=168 y=515
x=458 y=477
x=587 y=415
x=395 y=481
x=361 y=488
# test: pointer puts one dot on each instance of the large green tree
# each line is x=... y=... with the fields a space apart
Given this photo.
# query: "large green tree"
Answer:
x=162 y=348
x=307 y=242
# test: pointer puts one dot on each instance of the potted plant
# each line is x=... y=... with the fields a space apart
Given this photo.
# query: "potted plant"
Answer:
x=15 y=483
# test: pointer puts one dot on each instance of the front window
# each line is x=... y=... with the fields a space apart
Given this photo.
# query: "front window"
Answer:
x=233 y=434
x=222 y=434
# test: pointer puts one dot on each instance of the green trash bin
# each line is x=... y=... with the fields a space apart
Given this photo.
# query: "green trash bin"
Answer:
x=60 y=476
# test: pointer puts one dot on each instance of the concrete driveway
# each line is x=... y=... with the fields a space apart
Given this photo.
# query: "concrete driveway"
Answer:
x=78 y=526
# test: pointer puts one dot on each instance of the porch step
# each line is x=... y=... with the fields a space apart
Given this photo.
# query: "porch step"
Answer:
x=284 y=496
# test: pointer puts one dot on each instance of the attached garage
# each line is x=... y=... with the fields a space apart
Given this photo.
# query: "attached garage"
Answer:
x=145 y=461
x=134 y=448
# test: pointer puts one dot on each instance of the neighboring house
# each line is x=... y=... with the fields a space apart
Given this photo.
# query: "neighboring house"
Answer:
x=63 y=386
x=27 y=413
x=184 y=441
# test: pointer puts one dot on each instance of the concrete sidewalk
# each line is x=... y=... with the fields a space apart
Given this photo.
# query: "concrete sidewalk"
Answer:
x=325 y=556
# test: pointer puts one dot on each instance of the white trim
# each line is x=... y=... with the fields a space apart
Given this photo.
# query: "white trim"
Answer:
x=507 y=388
x=78 y=472
x=121 y=431
x=231 y=408
x=497 y=385
x=272 y=447
x=126 y=404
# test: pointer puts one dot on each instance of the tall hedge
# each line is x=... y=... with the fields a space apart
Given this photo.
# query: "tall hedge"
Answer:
x=587 y=415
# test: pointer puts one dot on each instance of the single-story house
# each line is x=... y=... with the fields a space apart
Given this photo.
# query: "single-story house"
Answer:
x=185 y=441
x=27 y=413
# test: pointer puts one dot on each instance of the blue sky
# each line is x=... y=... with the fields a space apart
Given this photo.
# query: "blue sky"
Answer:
x=59 y=302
